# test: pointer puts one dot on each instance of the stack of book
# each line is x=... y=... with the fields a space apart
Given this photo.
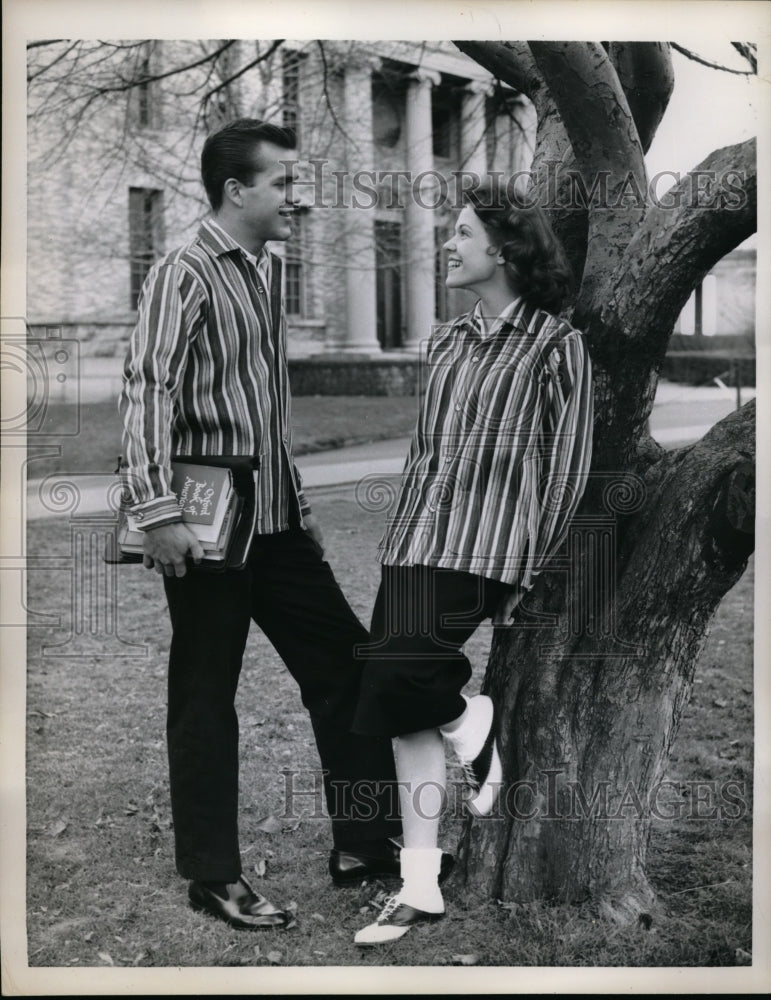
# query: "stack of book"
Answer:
x=210 y=507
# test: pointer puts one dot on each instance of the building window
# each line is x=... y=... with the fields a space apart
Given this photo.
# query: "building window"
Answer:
x=290 y=75
x=445 y=123
x=504 y=132
x=387 y=113
x=388 y=261
x=295 y=277
x=144 y=92
x=145 y=235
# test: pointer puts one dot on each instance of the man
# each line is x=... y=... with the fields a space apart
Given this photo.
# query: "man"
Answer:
x=206 y=375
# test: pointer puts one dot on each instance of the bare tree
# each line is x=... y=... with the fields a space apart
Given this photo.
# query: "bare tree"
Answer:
x=592 y=677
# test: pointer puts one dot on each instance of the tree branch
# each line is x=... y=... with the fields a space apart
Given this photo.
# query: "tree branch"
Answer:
x=244 y=69
x=710 y=212
x=704 y=62
x=749 y=51
x=327 y=98
x=511 y=62
x=602 y=132
x=645 y=73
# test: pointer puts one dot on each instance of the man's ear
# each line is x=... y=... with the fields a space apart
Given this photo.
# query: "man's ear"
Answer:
x=231 y=189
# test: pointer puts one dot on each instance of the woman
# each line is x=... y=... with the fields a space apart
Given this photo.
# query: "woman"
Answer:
x=494 y=473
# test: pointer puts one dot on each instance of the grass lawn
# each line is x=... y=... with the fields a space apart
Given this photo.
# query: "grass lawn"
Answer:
x=102 y=890
x=90 y=437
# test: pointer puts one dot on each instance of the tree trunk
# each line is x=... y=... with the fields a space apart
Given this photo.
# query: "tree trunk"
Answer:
x=590 y=706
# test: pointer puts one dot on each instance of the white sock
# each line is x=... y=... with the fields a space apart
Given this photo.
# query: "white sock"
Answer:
x=420 y=878
x=467 y=734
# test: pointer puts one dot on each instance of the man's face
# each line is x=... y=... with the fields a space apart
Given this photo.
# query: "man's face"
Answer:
x=267 y=206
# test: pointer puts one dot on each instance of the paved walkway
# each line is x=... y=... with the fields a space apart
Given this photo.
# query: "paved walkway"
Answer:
x=681 y=415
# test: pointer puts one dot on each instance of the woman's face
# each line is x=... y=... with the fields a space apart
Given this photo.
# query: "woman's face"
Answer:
x=470 y=264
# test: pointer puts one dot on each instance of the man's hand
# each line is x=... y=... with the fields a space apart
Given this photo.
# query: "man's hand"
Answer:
x=505 y=609
x=311 y=525
x=167 y=546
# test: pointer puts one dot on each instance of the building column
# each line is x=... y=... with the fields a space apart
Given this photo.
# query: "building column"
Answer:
x=473 y=125
x=418 y=238
x=360 y=333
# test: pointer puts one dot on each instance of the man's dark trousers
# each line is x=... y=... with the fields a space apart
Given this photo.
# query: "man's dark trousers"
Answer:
x=292 y=595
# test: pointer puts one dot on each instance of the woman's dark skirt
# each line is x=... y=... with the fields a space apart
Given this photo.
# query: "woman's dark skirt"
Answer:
x=415 y=668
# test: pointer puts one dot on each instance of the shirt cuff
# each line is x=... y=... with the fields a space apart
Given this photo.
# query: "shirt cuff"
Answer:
x=156 y=512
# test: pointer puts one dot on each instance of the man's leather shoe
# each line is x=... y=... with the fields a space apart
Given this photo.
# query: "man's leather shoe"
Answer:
x=242 y=907
x=351 y=867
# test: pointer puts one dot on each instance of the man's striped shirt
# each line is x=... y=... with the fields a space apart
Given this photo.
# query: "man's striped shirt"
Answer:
x=501 y=451
x=206 y=374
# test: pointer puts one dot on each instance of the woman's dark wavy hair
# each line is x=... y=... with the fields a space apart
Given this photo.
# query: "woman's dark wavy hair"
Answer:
x=231 y=152
x=536 y=265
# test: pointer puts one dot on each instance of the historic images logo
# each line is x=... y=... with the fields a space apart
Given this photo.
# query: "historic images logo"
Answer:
x=554 y=187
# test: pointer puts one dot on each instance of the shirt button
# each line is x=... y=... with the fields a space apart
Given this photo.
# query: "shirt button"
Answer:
x=474 y=357
x=457 y=407
x=448 y=460
x=139 y=516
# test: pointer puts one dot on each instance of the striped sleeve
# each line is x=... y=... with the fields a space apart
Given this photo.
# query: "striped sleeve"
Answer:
x=156 y=359
x=567 y=449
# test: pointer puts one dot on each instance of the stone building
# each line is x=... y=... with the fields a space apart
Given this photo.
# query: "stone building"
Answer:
x=389 y=133
x=385 y=131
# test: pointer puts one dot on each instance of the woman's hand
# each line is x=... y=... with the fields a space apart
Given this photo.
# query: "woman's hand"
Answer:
x=505 y=608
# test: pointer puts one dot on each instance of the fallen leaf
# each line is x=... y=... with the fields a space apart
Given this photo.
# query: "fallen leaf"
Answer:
x=105 y=957
x=260 y=867
x=131 y=809
x=257 y=951
x=58 y=827
x=274 y=957
x=465 y=959
x=319 y=917
x=269 y=825
x=719 y=703
x=743 y=957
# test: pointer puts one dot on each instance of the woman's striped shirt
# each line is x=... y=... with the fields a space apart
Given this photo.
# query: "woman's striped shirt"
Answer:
x=501 y=451
x=206 y=374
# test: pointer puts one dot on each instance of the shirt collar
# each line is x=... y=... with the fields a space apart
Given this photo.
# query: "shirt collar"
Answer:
x=487 y=332
x=217 y=242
